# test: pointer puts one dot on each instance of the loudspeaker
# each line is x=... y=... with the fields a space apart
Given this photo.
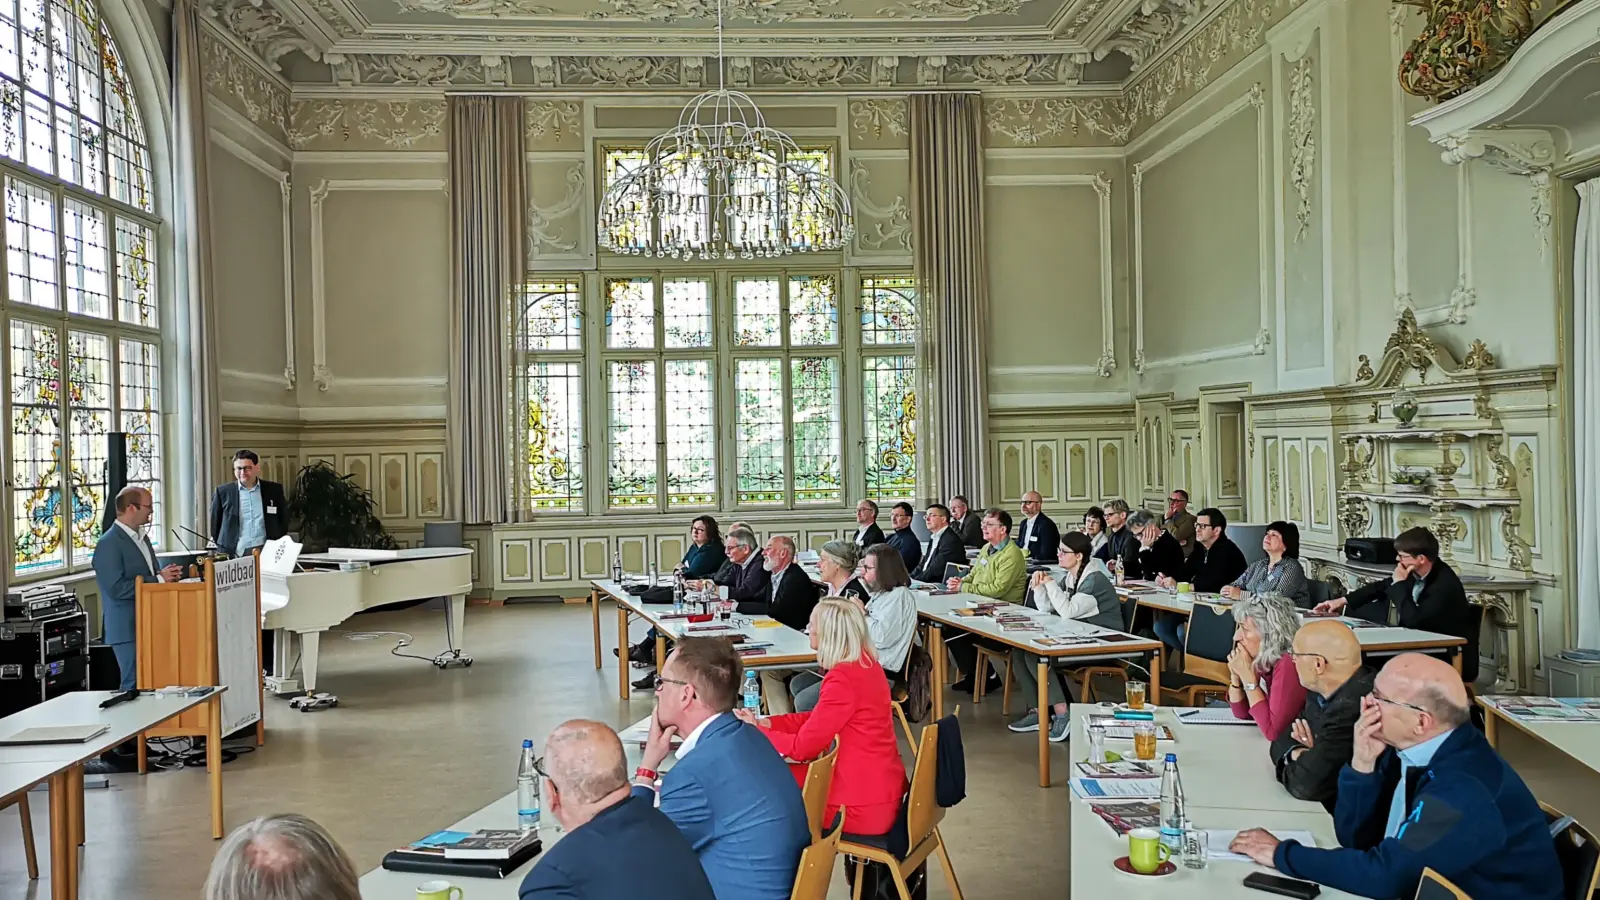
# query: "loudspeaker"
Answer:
x=116 y=474
x=104 y=673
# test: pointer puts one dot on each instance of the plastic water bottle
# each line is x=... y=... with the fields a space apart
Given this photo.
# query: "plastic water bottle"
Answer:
x=677 y=592
x=527 y=790
x=616 y=567
x=752 y=693
x=1172 y=813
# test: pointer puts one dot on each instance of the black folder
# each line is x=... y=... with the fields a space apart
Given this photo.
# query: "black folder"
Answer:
x=436 y=864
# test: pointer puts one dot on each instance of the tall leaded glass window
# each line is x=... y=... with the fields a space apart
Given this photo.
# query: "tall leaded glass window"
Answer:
x=889 y=327
x=550 y=401
x=80 y=288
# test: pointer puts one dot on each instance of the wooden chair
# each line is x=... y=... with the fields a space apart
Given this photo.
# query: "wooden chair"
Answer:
x=898 y=695
x=819 y=778
x=816 y=864
x=20 y=801
x=1578 y=852
x=980 y=676
x=1434 y=886
x=923 y=815
x=1086 y=674
x=1206 y=646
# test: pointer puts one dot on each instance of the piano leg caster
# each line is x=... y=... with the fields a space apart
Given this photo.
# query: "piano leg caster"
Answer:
x=314 y=702
x=451 y=659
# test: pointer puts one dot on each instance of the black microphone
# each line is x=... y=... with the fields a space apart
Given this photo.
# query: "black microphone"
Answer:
x=210 y=544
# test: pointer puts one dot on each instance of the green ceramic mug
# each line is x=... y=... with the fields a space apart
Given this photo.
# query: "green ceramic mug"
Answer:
x=1145 y=851
x=444 y=890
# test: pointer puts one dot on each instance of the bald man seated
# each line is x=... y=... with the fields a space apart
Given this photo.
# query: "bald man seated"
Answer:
x=1423 y=789
x=1309 y=756
x=605 y=823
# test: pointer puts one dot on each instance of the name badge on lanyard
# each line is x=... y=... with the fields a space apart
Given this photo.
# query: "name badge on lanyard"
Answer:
x=272 y=509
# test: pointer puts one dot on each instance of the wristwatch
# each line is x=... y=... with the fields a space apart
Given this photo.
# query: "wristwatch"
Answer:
x=1250 y=685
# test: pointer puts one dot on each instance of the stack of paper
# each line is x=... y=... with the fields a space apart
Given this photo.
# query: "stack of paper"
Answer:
x=1211 y=715
x=1218 y=839
x=1127 y=788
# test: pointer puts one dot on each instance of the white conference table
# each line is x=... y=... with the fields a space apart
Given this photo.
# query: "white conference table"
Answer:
x=61 y=765
x=1578 y=740
x=790 y=649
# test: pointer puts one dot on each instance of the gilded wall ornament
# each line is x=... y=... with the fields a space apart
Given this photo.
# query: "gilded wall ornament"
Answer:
x=1505 y=472
x=1478 y=357
x=1462 y=43
x=1364 y=368
x=1355 y=517
x=1517 y=551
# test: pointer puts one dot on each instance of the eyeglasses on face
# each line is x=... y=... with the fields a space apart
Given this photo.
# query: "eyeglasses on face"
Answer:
x=1382 y=699
x=1293 y=654
x=659 y=681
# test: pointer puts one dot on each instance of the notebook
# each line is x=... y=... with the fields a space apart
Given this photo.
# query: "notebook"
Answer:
x=56 y=734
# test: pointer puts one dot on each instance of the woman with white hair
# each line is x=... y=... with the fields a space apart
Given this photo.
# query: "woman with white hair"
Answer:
x=836 y=563
x=282 y=857
x=869 y=778
x=1263 y=684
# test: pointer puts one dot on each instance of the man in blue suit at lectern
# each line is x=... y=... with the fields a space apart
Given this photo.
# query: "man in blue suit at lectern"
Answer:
x=122 y=555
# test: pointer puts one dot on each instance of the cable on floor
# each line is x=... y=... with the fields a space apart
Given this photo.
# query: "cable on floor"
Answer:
x=405 y=640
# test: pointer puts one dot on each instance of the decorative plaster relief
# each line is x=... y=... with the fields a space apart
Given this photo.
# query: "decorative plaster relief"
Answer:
x=1302 y=142
x=238 y=83
x=1204 y=54
x=959 y=10
x=1515 y=151
x=552 y=123
x=876 y=120
x=883 y=228
x=814 y=71
x=1057 y=120
x=760 y=12
x=1031 y=68
x=391 y=124
x=262 y=29
x=431 y=69
x=466 y=9
x=619 y=71
x=543 y=220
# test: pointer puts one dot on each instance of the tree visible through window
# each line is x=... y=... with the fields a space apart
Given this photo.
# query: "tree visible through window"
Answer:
x=80 y=289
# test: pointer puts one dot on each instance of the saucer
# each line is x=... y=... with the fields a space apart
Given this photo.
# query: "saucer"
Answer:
x=1126 y=867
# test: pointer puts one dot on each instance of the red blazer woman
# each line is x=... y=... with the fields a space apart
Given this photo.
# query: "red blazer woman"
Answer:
x=869 y=780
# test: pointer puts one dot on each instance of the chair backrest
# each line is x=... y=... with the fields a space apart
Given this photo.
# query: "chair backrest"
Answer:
x=923 y=812
x=1469 y=653
x=1434 y=886
x=816 y=864
x=1130 y=608
x=819 y=778
x=1578 y=852
x=1208 y=642
x=1320 y=591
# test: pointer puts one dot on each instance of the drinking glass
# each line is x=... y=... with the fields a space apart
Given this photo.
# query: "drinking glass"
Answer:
x=1135 y=691
x=1196 y=847
x=1144 y=740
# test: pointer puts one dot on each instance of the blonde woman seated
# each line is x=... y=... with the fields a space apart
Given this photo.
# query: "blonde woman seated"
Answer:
x=836 y=565
x=869 y=779
x=1085 y=592
x=1264 y=684
x=891 y=620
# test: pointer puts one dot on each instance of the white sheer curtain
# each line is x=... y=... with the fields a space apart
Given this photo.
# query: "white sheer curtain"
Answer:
x=1586 y=431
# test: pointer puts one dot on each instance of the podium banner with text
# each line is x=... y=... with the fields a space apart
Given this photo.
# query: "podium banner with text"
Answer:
x=238 y=641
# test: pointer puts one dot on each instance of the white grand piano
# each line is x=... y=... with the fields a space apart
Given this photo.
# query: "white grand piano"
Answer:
x=300 y=605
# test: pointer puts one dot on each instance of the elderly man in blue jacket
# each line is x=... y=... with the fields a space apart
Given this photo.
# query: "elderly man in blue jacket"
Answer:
x=1424 y=790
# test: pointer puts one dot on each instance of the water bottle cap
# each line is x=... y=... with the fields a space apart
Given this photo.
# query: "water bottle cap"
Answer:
x=1172 y=757
x=526 y=744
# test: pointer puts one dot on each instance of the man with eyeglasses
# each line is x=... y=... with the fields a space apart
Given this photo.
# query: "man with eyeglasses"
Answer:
x=1037 y=534
x=1423 y=789
x=1309 y=756
x=1179 y=521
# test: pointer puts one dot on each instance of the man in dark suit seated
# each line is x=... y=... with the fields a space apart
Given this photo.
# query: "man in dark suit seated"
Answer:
x=1037 y=533
x=867 y=530
x=793 y=594
x=903 y=538
x=1424 y=593
x=1159 y=552
x=965 y=522
x=945 y=548
x=744 y=574
x=248 y=511
x=591 y=798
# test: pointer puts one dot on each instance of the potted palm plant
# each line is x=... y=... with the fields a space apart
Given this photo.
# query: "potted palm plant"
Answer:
x=331 y=510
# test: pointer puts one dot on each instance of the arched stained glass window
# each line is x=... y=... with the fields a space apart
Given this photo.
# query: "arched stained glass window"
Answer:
x=80 y=293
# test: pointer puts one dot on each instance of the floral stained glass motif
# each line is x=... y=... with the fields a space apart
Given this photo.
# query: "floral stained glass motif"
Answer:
x=555 y=436
x=755 y=312
x=130 y=153
x=888 y=309
x=88 y=422
x=686 y=313
x=631 y=313
x=631 y=434
x=813 y=311
x=31 y=244
x=804 y=222
x=36 y=501
x=814 y=383
x=553 y=316
x=88 y=262
x=139 y=373
x=889 y=386
x=634 y=230
x=136 y=273
x=758 y=430
x=691 y=434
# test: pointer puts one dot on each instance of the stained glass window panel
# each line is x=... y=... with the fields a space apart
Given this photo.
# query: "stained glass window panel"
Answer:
x=631 y=434
x=553 y=318
x=136 y=273
x=36 y=514
x=88 y=421
x=80 y=151
x=814 y=383
x=889 y=388
x=38 y=148
x=631 y=313
x=140 y=396
x=813 y=310
x=555 y=436
x=686 y=313
x=691 y=434
x=888 y=309
x=10 y=100
x=686 y=176
x=634 y=228
x=755 y=312
x=129 y=160
x=31 y=244
x=88 y=260
x=803 y=222
x=758 y=430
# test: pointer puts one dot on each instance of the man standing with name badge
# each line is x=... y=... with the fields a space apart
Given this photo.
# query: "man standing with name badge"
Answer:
x=248 y=511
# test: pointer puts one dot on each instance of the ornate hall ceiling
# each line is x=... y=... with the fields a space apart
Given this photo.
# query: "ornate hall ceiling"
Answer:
x=1065 y=46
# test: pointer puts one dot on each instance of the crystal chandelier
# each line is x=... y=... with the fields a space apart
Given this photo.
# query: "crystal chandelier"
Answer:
x=723 y=185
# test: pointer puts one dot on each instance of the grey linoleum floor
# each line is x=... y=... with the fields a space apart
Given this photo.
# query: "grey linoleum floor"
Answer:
x=412 y=749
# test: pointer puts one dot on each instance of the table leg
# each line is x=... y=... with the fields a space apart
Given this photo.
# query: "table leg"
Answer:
x=63 y=853
x=594 y=604
x=1491 y=728
x=75 y=801
x=661 y=650
x=1455 y=660
x=936 y=648
x=1044 y=723
x=622 y=651
x=1155 y=678
x=142 y=754
x=214 y=762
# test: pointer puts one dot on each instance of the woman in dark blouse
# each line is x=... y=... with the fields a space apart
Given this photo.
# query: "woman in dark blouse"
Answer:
x=706 y=554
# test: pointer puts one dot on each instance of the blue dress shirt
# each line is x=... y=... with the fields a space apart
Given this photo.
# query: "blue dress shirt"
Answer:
x=252 y=520
x=1410 y=758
